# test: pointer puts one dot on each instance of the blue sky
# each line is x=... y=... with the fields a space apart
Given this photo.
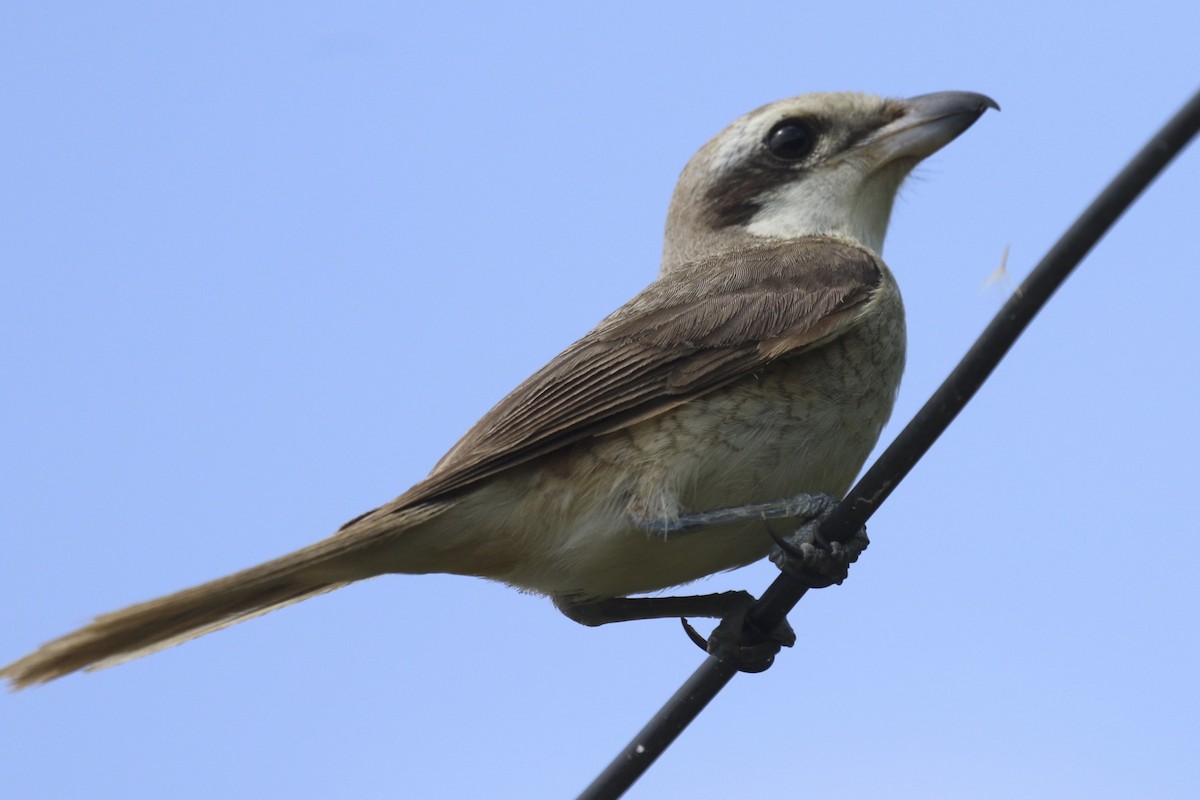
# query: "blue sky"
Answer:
x=264 y=263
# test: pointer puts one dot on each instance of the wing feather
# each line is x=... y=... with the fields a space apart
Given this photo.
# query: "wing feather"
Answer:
x=688 y=333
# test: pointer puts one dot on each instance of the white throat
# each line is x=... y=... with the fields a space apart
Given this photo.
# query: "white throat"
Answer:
x=836 y=202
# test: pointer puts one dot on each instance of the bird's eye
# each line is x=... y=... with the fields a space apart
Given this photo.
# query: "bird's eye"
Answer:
x=791 y=140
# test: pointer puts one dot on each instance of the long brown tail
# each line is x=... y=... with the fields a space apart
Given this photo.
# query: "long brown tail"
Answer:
x=146 y=627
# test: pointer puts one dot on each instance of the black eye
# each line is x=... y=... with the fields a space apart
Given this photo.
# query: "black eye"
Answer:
x=791 y=140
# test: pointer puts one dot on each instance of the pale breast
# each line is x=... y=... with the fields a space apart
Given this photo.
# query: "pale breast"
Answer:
x=803 y=424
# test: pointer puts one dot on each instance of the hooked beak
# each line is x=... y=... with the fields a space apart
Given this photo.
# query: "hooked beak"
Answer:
x=928 y=123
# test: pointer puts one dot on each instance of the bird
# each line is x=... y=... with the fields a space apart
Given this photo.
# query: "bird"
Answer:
x=760 y=364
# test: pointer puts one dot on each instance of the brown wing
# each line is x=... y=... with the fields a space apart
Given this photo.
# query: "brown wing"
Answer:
x=686 y=334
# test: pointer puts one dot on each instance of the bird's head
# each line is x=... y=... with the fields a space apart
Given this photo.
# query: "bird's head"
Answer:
x=817 y=164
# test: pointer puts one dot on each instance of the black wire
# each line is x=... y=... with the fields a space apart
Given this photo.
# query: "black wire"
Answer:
x=913 y=442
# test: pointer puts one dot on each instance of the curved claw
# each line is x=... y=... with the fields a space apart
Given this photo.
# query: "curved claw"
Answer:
x=692 y=634
x=781 y=541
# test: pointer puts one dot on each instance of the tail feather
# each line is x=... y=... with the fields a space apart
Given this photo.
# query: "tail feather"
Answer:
x=350 y=555
x=156 y=624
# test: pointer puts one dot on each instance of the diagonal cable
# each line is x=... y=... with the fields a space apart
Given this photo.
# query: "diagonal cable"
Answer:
x=916 y=438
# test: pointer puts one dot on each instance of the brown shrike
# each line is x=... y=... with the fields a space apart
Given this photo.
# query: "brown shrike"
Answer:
x=762 y=363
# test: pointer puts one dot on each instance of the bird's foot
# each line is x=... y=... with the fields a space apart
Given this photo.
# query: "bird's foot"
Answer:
x=805 y=555
x=811 y=558
x=736 y=641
